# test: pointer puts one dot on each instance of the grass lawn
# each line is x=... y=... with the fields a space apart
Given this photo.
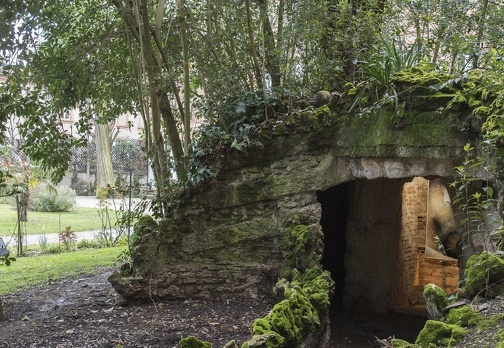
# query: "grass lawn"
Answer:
x=37 y=270
x=81 y=219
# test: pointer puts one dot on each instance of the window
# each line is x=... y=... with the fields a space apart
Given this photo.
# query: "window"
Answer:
x=66 y=115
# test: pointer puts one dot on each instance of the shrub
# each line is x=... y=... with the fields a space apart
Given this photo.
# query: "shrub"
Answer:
x=68 y=238
x=59 y=200
x=87 y=244
x=53 y=249
x=42 y=240
x=80 y=186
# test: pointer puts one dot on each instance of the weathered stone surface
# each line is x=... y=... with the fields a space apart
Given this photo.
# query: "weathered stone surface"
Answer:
x=223 y=239
x=322 y=98
x=436 y=300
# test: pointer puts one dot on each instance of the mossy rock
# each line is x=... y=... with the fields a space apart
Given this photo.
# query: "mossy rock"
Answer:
x=319 y=287
x=463 y=316
x=297 y=316
x=436 y=300
x=420 y=79
x=292 y=319
x=481 y=271
x=398 y=343
x=439 y=333
x=302 y=249
x=145 y=225
x=193 y=342
x=267 y=340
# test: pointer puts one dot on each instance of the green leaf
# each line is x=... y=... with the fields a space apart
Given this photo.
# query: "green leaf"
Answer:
x=468 y=148
x=488 y=190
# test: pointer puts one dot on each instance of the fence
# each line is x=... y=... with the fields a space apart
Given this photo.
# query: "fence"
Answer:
x=127 y=155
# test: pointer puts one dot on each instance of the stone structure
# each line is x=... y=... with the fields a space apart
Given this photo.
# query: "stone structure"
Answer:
x=344 y=176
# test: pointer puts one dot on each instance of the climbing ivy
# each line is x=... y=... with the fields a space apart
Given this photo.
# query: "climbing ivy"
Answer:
x=238 y=118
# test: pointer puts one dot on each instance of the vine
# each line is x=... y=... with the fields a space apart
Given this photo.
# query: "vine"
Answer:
x=475 y=202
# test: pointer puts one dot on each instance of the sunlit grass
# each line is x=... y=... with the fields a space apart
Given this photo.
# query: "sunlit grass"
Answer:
x=37 y=270
x=81 y=219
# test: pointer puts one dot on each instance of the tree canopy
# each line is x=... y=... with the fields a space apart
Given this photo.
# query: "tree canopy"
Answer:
x=177 y=63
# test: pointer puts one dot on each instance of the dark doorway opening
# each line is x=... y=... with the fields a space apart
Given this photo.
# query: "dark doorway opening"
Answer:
x=335 y=208
x=362 y=221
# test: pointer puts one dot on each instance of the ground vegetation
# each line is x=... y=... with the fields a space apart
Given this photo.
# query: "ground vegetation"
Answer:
x=81 y=219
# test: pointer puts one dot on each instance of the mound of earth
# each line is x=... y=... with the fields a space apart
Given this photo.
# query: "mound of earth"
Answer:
x=85 y=312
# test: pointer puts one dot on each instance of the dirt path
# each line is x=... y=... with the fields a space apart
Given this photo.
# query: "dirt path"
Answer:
x=84 y=313
x=52 y=238
x=81 y=201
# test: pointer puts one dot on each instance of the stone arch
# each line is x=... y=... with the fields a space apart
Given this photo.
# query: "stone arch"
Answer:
x=367 y=200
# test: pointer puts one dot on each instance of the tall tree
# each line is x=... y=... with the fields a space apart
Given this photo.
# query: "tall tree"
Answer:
x=351 y=30
x=104 y=170
x=177 y=61
x=455 y=35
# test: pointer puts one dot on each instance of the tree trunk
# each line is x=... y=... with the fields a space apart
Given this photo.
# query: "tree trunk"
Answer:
x=20 y=251
x=104 y=169
x=170 y=126
x=88 y=168
x=271 y=58
x=257 y=69
x=478 y=49
x=136 y=18
x=23 y=205
x=187 y=88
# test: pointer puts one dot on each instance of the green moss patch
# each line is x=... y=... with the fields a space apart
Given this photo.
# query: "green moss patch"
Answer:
x=297 y=316
x=500 y=335
x=291 y=318
x=193 y=342
x=490 y=322
x=439 y=333
x=463 y=316
x=318 y=286
x=301 y=248
x=481 y=271
x=436 y=300
x=420 y=77
x=396 y=343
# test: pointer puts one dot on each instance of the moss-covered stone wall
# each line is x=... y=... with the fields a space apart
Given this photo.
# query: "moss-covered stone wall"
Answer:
x=223 y=237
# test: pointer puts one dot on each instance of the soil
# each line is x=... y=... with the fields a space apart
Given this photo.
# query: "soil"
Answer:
x=85 y=312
